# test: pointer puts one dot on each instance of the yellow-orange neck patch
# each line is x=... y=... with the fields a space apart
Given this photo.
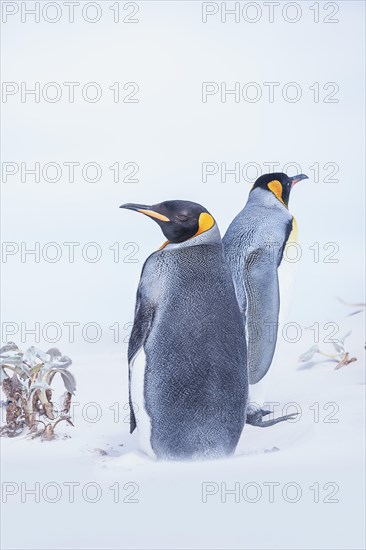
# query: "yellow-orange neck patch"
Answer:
x=294 y=233
x=276 y=187
x=164 y=245
x=205 y=222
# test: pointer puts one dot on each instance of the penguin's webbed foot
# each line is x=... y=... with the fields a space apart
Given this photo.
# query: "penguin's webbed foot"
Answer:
x=255 y=417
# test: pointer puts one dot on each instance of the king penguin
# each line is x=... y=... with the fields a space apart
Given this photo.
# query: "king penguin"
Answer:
x=254 y=247
x=188 y=381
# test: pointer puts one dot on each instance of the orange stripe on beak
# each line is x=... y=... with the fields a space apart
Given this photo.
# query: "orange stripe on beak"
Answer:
x=153 y=214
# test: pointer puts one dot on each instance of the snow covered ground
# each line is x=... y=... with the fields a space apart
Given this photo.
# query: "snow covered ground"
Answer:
x=299 y=484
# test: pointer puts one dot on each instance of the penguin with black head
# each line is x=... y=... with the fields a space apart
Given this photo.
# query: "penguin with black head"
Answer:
x=254 y=246
x=187 y=351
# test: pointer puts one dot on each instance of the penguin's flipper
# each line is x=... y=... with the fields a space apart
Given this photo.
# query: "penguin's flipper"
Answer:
x=144 y=314
x=263 y=305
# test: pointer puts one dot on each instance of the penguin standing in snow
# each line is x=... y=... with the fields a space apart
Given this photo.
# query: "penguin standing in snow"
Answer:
x=254 y=246
x=188 y=380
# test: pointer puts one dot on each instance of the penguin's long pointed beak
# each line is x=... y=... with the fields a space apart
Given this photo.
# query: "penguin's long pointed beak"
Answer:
x=144 y=209
x=296 y=179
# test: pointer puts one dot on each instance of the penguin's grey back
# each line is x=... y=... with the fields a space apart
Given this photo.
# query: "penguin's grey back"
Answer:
x=253 y=247
x=195 y=379
x=263 y=223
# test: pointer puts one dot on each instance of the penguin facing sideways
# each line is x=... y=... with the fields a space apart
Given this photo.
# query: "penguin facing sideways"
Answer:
x=254 y=247
x=188 y=382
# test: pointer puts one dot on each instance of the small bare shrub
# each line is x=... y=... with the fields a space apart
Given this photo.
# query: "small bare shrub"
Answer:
x=26 y=380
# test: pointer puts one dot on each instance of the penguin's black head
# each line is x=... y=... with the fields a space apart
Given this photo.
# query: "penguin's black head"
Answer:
x=279 y=184
x=178 y=220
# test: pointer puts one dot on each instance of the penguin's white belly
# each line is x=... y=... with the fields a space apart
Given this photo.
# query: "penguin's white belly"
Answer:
x=143 y=420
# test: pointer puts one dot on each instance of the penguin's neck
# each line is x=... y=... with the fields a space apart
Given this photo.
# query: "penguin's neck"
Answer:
x=265 y=197
x=212 y=236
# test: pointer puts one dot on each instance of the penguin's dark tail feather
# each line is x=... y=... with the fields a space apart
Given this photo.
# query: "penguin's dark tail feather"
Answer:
x=255 y=418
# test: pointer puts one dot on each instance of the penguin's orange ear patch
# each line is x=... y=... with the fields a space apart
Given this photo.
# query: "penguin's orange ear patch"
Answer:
x=276 y=187
x=205 y=222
